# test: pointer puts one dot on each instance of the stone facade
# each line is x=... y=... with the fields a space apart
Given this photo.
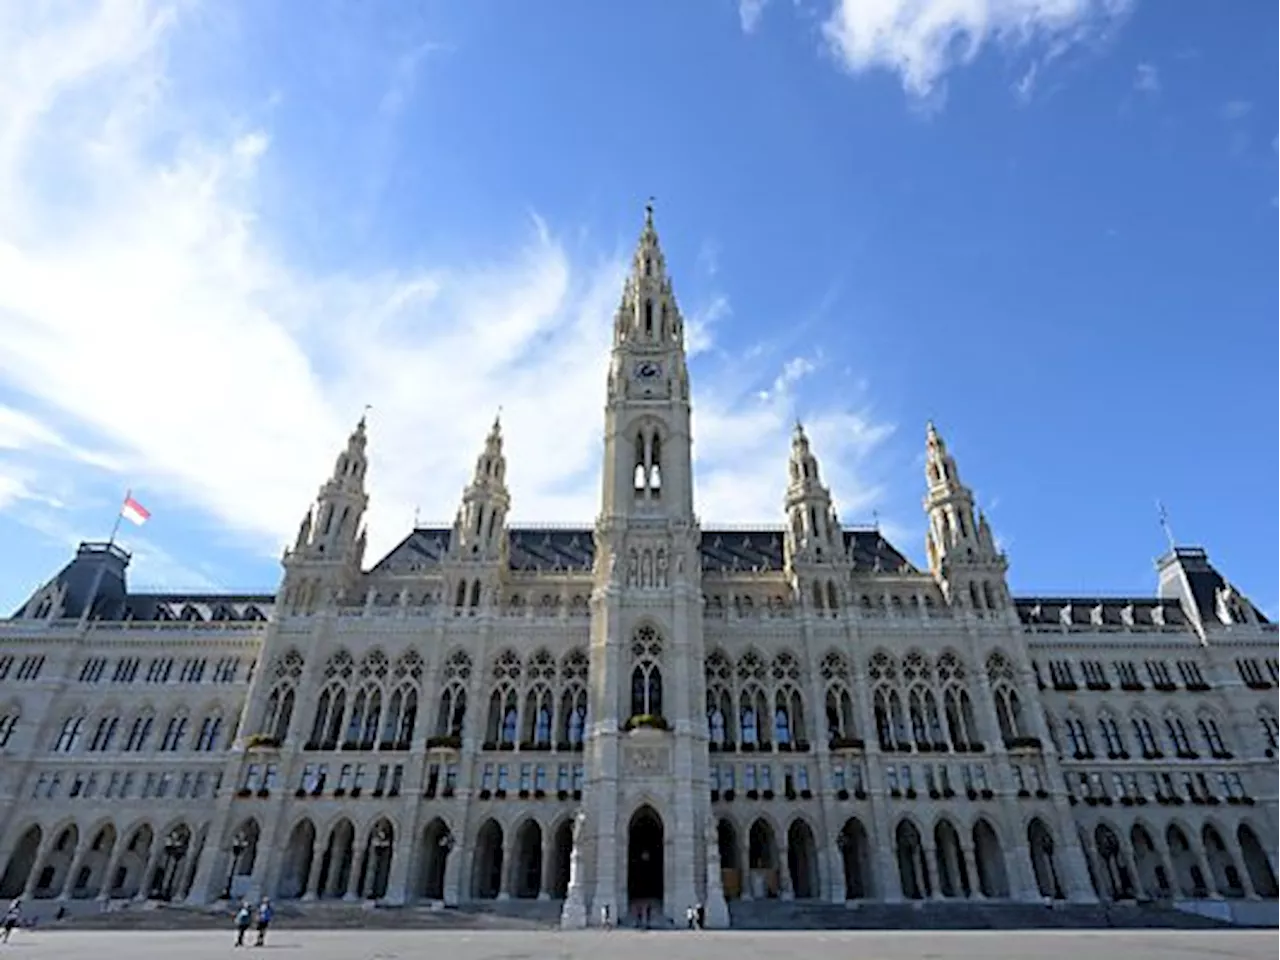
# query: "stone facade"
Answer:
x=645 y=711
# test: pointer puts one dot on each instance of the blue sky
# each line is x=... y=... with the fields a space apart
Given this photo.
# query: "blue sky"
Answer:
x=1050 y=226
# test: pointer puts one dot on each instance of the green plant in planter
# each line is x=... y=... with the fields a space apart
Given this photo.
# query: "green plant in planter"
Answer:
x=647 y=721
x=261 y=741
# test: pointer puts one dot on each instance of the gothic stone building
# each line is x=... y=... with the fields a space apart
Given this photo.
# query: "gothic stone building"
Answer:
x=640 y=711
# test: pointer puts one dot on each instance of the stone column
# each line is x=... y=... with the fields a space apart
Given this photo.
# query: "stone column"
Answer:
x=546 y=878
x=509 y=866
x=359 y=857
x=310 y=891
x=37 y=866
x=835 y=872
x=153 y=858
x=113 y=864
x=971 y=868
x=77 y=861
x=452 y=875
x=786 y=890
x=929 y=876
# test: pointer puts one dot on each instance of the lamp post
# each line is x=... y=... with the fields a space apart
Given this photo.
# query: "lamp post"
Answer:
x=238 y=847
x=175 y=849
x=381 y=844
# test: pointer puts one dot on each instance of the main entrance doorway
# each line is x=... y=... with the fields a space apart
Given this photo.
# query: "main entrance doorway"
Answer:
x=644 y=856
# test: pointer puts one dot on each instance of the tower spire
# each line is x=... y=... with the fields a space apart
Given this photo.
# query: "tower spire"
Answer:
x=813 y=531
x=480 y=529
x=959 y=543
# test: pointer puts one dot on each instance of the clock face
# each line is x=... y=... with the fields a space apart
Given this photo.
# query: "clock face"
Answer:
x=648 y=370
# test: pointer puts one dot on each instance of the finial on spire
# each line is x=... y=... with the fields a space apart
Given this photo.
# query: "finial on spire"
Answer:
x=415 y=518
x=364 y=415
x=648 y=213
x=875 y=520
x=1164 y=525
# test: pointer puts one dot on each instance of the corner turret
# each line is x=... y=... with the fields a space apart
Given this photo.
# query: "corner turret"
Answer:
x=962 y=552
x=328 y=552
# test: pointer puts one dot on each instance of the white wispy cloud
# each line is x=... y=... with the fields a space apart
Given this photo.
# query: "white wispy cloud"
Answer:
x=1146 y=79
x=1235 y=109
x=156 y=336
x=749 y=13
x=923 y=40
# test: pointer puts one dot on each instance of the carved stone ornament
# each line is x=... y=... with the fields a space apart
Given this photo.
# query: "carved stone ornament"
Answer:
x=648 y=761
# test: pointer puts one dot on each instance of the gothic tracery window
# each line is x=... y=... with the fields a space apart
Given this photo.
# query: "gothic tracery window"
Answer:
x=646 y=673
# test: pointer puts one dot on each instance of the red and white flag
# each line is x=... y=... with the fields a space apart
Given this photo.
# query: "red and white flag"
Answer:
x=134 y=512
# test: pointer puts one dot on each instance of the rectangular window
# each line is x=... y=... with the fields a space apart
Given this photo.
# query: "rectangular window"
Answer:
x=802 y=777
x=1061 y=674
x=1159 y=674
x=715 y=776
x=357 y=781
x=433 y=779
x=904 y=777
x=502 y=777
x=31 y=667
x=380 y=784
x=837 y=776
x=91 y=670
x=1019 y=779
x=749 y=777
x=6 y=664
x=163 y=785
x=486 y=777
x=579 y=776
x=344 y=777
x=728 y=777
x=980 y=776
x=126 y=786
x=891 y=778
x=451 y=777
x=526 y=777
x=562 y=777
x=1095 y=676
x=1128 y=674
x=251 y=775
x=397 y=779
x=77 y=785
x=184 y=786
x=1189 y=670
x=148 y=787
x=113 y=783
x=766 y=777
x=540 y=778
x=197 y=788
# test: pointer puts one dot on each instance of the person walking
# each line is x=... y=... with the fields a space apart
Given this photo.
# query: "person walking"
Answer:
x=12 y=918
x=265 y=913
x=243 y=918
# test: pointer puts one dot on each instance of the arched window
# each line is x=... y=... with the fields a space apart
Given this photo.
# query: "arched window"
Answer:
x=646 y=673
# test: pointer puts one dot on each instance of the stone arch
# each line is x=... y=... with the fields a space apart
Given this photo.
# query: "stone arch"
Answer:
x=855 y=856
x=762 y=858
x=338 y=860
x=1256 y=862
x=802 y=860
x=526 y=861
x=375 y=865
x=1114 y=876
x=1188 y=875
x=1222 y=866
x=988 y=860
x=952 y=873
x=132 y=861
x=175 y=848
x=92 y=875
x=730 y=857
x=21 y=862
x=646 y=862
x=437 y=844
x=57 y=861
x=556 y=883
x=1147 y=862
x=1044 y=862
x=913 y=870
x=297 y=860
x=486 y=870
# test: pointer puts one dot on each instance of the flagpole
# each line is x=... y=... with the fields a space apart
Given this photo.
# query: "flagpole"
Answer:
x=102 y=565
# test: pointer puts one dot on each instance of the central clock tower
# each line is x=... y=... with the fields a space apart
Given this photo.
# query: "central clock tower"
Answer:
x=646 y=835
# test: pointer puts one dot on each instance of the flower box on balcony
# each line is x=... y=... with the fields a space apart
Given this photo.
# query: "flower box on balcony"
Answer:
x=448 y=742
x=261 y=741
x=647 y=721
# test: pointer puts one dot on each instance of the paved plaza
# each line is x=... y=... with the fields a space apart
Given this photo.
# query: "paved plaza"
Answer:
x=672 y=945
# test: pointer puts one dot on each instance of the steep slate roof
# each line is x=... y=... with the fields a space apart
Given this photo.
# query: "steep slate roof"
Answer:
x=551 y=549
